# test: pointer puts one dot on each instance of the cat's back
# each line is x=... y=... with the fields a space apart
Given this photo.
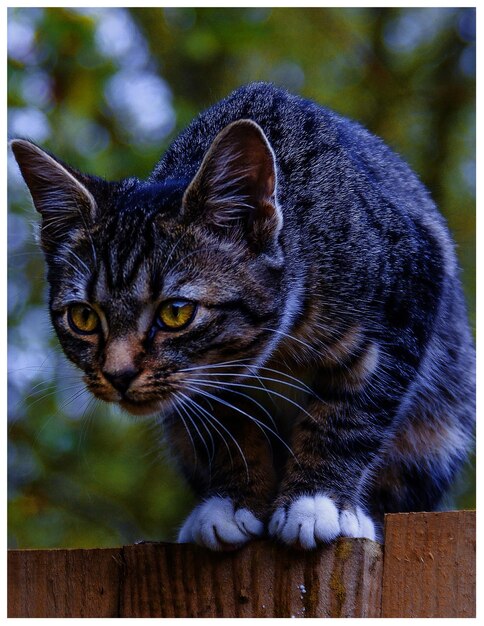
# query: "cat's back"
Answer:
x=297 y=129
x=310 y=141
x=319 y=154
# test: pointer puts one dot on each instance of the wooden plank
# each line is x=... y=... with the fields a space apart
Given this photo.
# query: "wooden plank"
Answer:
x=261 y=580
x=430 y=565
x=63 y=583
x=428 y=571
x=172 y=580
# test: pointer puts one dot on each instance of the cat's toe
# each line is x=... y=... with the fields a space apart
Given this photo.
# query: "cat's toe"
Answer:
x=356 y=523
x=307 y=521
x=277 y=521
x=312 y=520
x=250 y=524
x=217 y=525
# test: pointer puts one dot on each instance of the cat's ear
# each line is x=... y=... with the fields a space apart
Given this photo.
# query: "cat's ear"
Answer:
x=235 y=186
x=59 y=193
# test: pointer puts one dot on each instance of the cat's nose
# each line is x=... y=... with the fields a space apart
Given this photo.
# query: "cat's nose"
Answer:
x=121 y=380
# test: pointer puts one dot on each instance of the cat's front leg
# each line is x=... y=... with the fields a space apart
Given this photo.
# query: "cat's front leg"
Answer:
x=321 y=494
x=235 y=482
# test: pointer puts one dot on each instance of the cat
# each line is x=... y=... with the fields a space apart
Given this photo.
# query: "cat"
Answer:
x=283 y=293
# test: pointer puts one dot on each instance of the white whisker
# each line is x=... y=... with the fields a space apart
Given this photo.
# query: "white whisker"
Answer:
x=269 y=391
x=192 y=421
x=213 y=418
x=176 y=407
x=205 y=393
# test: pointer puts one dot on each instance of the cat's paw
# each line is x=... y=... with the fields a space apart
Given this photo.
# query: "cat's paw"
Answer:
x=216 y=524
x=312 y=520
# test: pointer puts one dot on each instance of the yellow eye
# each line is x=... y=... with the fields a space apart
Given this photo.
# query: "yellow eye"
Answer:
x=176 y=314
x=82 y=319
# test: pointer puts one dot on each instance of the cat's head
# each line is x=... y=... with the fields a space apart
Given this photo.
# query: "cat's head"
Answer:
x=151 y=284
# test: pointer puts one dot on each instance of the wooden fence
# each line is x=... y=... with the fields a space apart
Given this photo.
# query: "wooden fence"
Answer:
x=426 y=568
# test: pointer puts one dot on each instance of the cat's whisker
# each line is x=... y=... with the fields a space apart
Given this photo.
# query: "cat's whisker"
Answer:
x=87 y=230
x=244 y=395
x=214 y=421
x=55 y=391
x=196 y=413
x=262 y=384
x=241 y=363
x=72 y=379
x=76 y=256
x=204 y=414
x=176 y=406
x=168 y=259
x=291 y=337
x=269 y=391
x=239 y=393
x=193 y=413
x=77 y=271
x=213 y=365
x=183 y=407
x=203 y=392
x=206 y=394
x=41 y=368
x=270 y=369
x=13 y=256
x=297 y=356
x=78 y=394
x=86 y=419
x=243 y=376
x=183 y=259
x=74 y=397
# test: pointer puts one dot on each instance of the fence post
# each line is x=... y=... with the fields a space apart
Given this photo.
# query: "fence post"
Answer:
x=427 y=569
x=430 y=565
x=262 y=580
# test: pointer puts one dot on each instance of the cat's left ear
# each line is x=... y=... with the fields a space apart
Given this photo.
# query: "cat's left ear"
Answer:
x=235 y=186
x=59 y=193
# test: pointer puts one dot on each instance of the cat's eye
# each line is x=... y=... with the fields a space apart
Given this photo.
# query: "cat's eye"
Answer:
x=83 y=319
x=176 y=314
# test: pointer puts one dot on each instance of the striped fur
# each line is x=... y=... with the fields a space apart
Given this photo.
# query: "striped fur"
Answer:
x=328 y=373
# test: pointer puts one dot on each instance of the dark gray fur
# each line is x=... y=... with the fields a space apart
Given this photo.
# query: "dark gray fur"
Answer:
x=363 y=271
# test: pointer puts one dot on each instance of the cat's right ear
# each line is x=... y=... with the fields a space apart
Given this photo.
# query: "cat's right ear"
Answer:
x=58 y=192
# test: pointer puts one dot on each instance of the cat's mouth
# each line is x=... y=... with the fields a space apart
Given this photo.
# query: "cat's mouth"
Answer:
x=143 y=407
x=131 y=401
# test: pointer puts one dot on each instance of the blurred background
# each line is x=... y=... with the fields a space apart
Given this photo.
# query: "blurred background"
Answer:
x=107 y=90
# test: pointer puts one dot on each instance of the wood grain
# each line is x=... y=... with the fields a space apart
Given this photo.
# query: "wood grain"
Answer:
x=427 y=570
x=261 y=580
x=173 y=580
x=64 y=583
x=430 y=565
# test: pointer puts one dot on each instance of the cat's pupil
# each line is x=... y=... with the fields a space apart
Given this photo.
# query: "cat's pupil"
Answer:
x=176 y=308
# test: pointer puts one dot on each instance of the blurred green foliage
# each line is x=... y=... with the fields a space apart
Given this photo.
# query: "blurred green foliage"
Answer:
x=106 y=90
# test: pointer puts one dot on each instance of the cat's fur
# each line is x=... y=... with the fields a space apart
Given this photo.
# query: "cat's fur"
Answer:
x=324 y=274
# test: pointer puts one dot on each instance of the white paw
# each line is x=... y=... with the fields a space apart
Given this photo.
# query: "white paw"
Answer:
x=311 y=520
x=215 y=524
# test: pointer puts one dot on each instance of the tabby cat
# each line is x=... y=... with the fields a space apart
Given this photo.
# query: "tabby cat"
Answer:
x=284 y=295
